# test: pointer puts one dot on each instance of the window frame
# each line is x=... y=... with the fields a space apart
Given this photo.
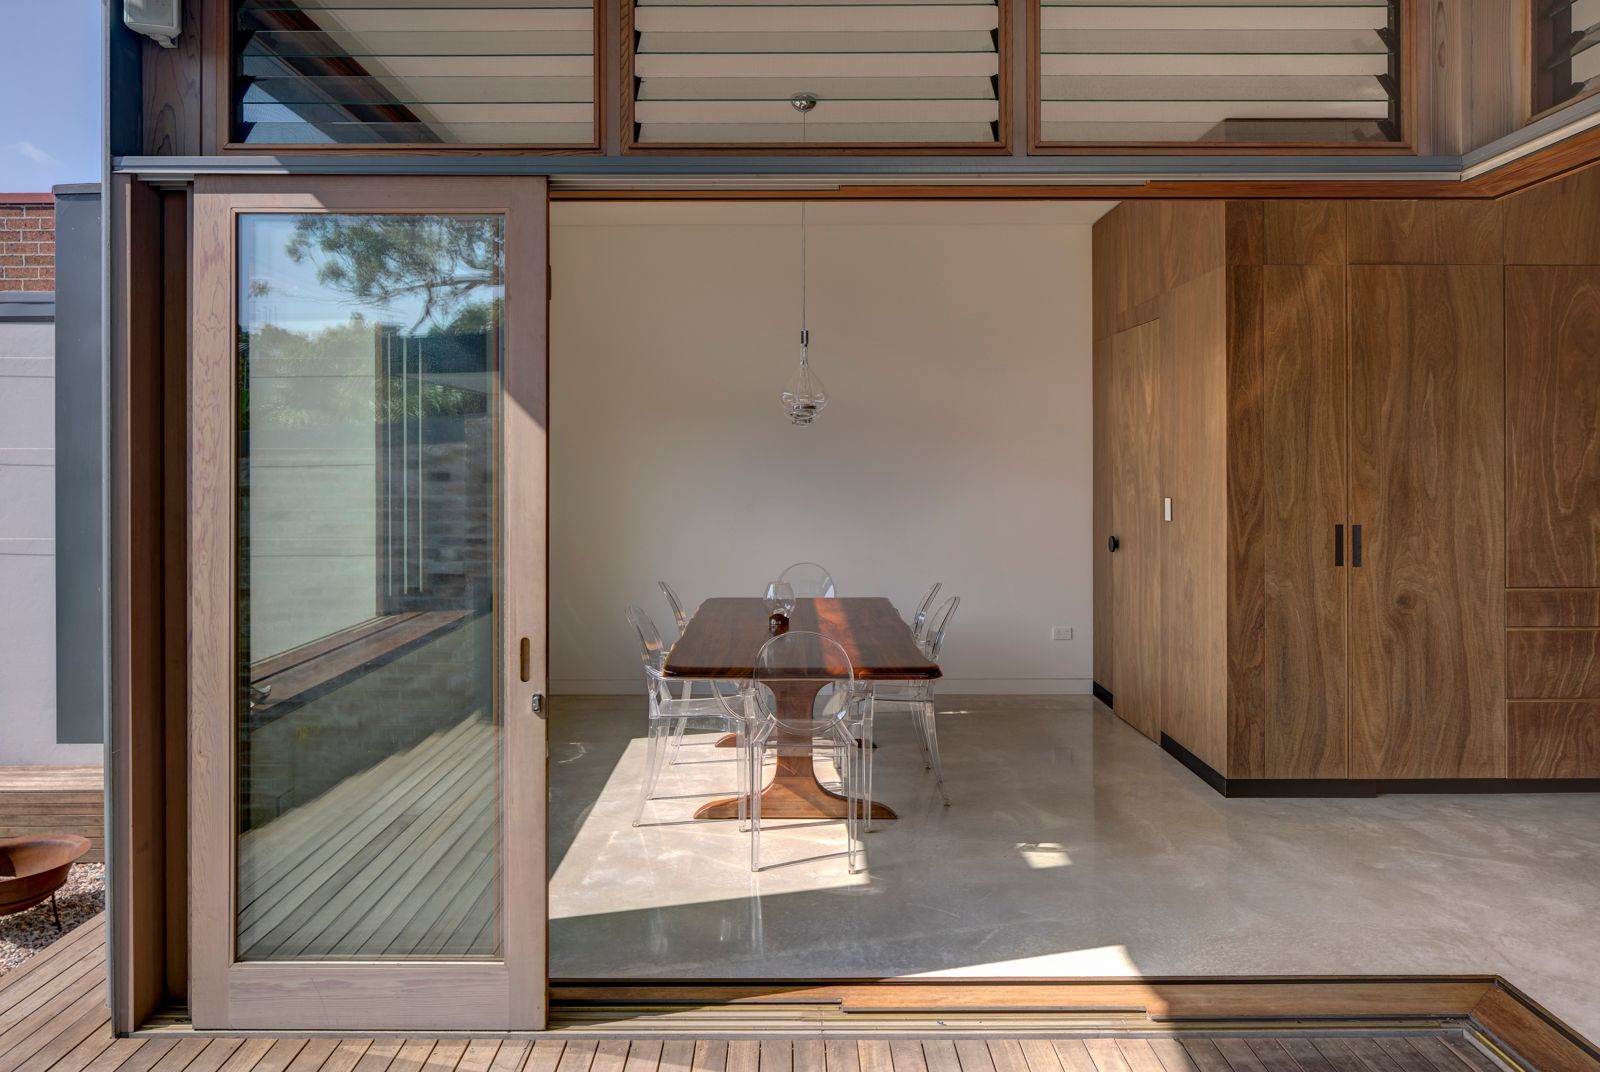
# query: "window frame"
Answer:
x=1406 y=67
x=217 y=130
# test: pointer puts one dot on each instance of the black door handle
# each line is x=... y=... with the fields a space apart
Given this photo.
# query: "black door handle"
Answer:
x=1355 y=545
x=1338 y=545
x=1112 y=543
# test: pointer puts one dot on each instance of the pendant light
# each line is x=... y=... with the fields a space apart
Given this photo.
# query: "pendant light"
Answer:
x=803 y=396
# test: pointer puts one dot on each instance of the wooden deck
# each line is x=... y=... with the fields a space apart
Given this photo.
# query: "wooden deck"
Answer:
x=55 y=800
x=53 y=1018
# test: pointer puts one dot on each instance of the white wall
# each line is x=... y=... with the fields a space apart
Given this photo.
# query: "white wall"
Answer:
x=27 y=551
x=954 y=340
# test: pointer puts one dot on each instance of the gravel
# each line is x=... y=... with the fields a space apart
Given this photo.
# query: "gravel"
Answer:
x=27 y=933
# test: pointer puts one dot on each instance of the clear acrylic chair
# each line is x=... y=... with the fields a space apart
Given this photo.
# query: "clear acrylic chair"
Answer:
x=809 y=581
x=919 y=618
x=680 y=618
x=681 y=688
x=671 y=714
x=841 y=715
x=918 y=695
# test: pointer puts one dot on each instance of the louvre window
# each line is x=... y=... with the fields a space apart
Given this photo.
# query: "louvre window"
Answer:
x=723 y=72
x=496 y=72
x=1566 y=51
x=1249 y=71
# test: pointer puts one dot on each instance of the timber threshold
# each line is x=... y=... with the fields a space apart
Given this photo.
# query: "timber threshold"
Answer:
x=53 y=1019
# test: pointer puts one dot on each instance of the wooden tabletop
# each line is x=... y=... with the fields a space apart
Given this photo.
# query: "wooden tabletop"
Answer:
x=723 y=637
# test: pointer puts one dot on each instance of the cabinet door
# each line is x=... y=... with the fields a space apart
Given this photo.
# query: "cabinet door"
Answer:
x=1136 y=515
x=1553 y=427
x=1304 y=381
x=1427 y=485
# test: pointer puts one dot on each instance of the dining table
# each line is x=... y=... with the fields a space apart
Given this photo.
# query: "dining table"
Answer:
x=721 y=641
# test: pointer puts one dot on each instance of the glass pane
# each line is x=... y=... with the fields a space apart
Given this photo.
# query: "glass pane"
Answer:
x=402 y=72
x=369 y=739
x=1566 y=52
x=1296 y=71
x=907 y=72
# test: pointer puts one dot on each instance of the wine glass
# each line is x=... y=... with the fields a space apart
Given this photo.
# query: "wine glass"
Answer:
x=780 y=597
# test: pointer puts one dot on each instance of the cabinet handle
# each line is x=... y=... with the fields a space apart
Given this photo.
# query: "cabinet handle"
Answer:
x=1338 y=545
x=1355 y=545
x=1112 y=543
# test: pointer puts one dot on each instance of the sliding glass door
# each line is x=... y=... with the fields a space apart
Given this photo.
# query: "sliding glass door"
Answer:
x=367 y=520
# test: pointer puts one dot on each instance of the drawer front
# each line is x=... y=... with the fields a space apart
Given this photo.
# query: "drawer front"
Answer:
x=1554 y=739
x=1535 y=608
x=1553 y=664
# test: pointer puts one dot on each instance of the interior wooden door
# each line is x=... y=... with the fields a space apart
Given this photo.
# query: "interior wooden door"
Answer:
x=1136 y=513
x=367 y=603
x=1305 y=377
x=1427 y=492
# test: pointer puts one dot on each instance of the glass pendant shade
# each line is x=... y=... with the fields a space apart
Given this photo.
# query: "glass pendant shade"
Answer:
x=804 y=396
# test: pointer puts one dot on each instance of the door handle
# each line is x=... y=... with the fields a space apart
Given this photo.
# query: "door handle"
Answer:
x=1355 y=545
x=1338 y=545
x=1112 y=543
x=524 y=658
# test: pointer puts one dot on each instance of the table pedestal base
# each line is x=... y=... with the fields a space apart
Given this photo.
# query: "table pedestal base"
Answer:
x=794 y=792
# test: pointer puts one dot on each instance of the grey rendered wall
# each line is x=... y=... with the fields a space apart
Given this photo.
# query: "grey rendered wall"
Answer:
x=80 y=470
x=27 y=540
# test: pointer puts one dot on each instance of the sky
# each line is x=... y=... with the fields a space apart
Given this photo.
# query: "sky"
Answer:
x=49 y=94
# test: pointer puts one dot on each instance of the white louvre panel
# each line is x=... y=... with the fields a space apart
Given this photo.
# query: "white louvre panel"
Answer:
x=1567 y=50
x=1218 y=70
x=495 y=72
x=715 y=72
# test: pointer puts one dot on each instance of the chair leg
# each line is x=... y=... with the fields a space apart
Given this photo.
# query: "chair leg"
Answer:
x=747 y=786
x=653 y=756
x=677 y=734
x=922 y=735
x=858 y=808
x=866 y=748
x=758 y=748
x=933 y=750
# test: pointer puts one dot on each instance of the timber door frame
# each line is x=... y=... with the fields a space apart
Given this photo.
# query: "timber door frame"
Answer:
x=510 y=993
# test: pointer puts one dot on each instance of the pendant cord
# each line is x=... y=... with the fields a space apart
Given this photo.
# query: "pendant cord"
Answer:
x=804 y=334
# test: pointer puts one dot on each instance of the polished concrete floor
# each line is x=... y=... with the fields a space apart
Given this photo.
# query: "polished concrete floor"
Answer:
x=1074 y=847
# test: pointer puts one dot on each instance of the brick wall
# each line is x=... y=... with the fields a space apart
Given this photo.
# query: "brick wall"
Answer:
x=27 y=242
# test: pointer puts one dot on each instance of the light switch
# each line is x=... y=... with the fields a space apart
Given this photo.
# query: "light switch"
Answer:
x=1061 y=632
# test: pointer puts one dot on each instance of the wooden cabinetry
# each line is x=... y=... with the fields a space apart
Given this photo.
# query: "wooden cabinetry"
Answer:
x=1359 y=386
x=1553 y=487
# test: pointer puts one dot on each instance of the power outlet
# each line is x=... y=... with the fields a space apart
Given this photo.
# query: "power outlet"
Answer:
x=1061 y=632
